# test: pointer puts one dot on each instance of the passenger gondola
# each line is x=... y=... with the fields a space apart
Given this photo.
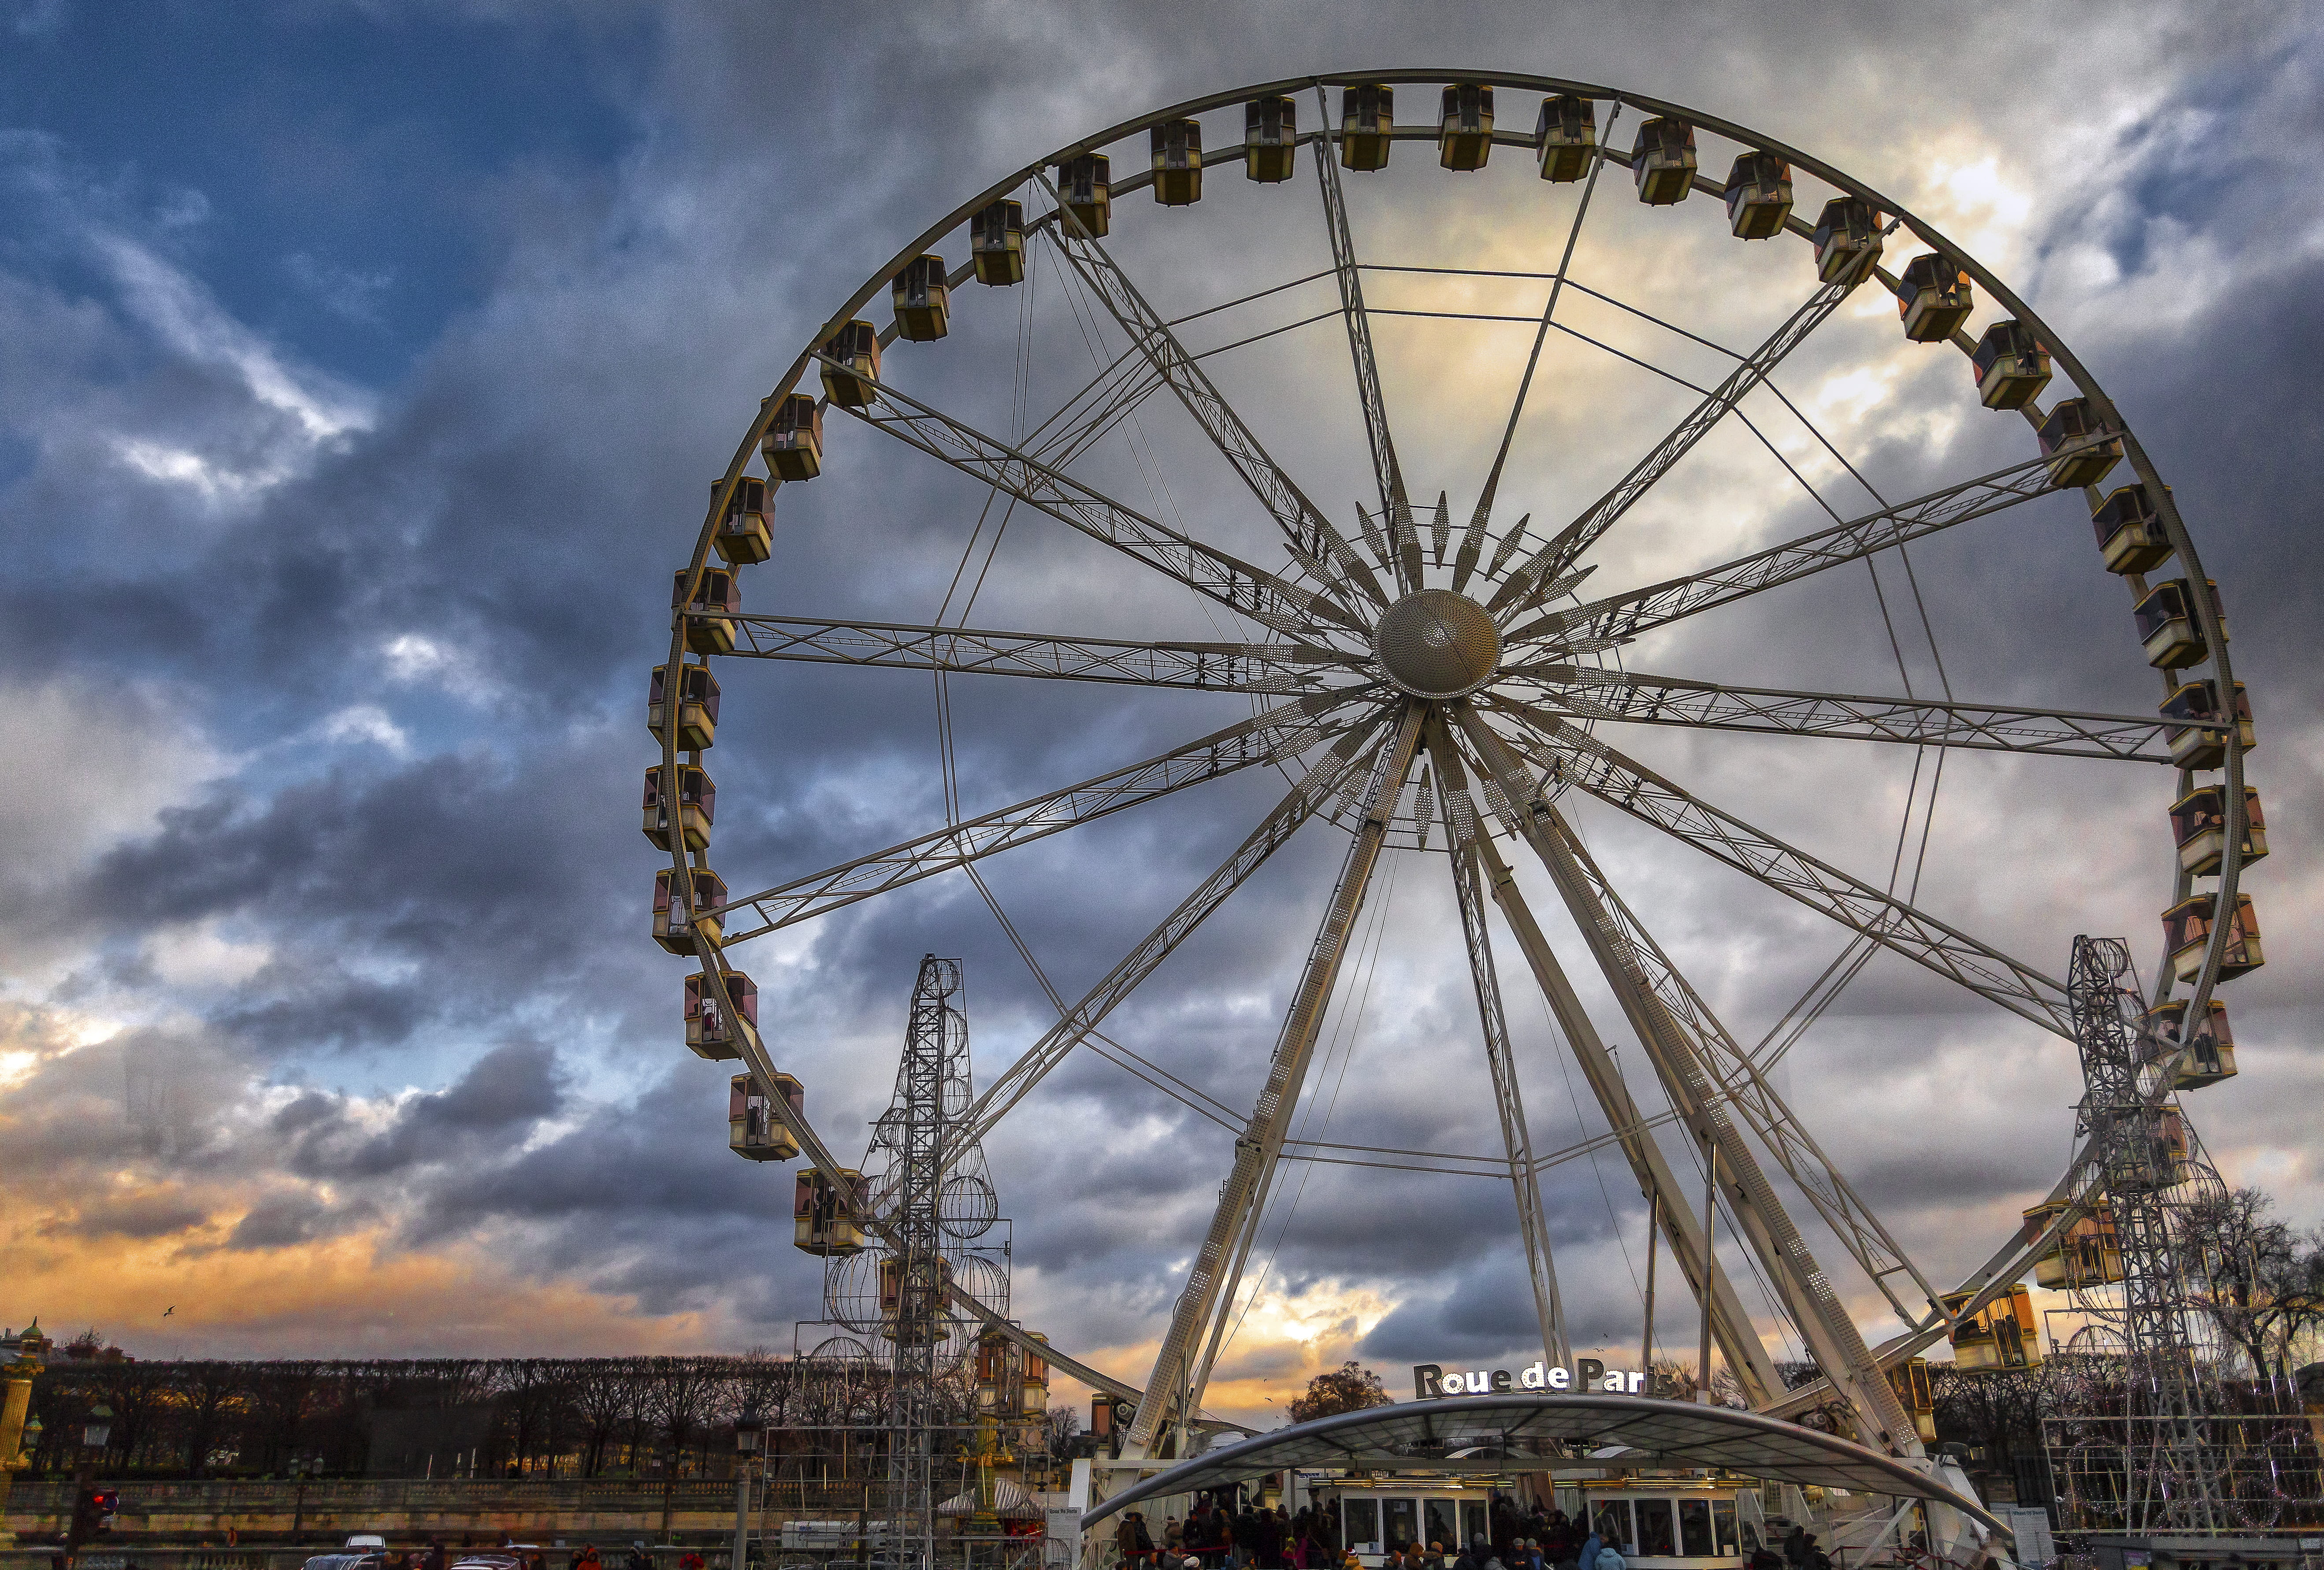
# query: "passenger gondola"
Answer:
x=1270 y=139
x=1933 y=298
x=2209 y=1058
x=2074 y=422
x=1177 y=162
x=2167 y=629
x=716 y=597
x=1086 y=184
x=820 y=1223
x=1367 y=119
x=2187 y=938
x=1848 y=240
x=997 y=243
x=754 y=1131
x=1464 y=131
x=1565 y=136
x=851 y=364
x=2010 y=366
x=2198 y=825
x=1663 y=161
x=698 y=800
x=707 y=1033
x=2001 y=1337
x=921 y=297
x=2192 y=748
x=671 y=925
x=793 y=445
x=744 y=535
x=698 y=706
x=2130 y=533
x=1758 y=196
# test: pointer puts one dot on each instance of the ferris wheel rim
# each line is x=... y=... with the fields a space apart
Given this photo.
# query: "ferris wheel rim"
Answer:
x=2084 y=383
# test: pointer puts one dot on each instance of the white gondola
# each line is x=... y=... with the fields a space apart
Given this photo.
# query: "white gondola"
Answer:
x=997 y=237
x=1086 y=184
x=2200 y=700
x=1464 y=131
x=921 y=295
x=851 y=364
x=2186 y=934
x=2167 y=628
x=716 y=597
x=793 y=445
x=2198 y=826
x=698 y=805
x=2130 y=535
x=1034 y=1379
x=1177 y=162
x=698 y=706
x=1270 y=139
x=754 y=1131
x=2072 y=422
x=2207 y=1059
x=2001 y=1337
x=1848 y=240
x=707 y=1033
x=670 y=927
x=1565 y=136
x=1934 y=299
x=743 y=536
x=1367 y=117
x=1758 y=196
x=1662 y=162
x=2010 y=366
x=820 y=1224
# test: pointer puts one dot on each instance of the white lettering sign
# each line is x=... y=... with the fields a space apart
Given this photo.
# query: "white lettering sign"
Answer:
x=1433 y=1381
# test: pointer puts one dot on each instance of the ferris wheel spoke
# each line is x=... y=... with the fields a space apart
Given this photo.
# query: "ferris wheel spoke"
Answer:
x=1570 y=756
x=1516 y=1136
x=1733 y=1078
x=1396 y=507
x=1253 y=591
x=1211 y=1283
x=1350 y=752
x=1314 y=542
x=1516 y=596
x=1619 y=618
x=1651 y=991
x=1588 y=692
x=1262 y=667
x=1731 y=1326
x=1277 y=736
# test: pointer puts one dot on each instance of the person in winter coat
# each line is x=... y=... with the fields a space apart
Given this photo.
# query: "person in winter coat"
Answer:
x=1795 y=1546
x=1607 y=1559
x=1474 y=1555
x=1591 y=1545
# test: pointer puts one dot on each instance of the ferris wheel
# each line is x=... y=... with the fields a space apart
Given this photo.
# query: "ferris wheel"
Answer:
x=1424 y=681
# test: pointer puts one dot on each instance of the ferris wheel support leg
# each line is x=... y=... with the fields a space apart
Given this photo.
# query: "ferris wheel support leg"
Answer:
x=1516 y=1137
x=1210 y=1283
x=1831 y=1335
x=1730 y=1325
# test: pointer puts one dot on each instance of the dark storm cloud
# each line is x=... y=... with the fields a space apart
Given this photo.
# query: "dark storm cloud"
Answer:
x=478 y=565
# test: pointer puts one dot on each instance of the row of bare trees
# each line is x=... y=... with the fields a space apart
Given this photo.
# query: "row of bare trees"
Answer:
x=533 y=1417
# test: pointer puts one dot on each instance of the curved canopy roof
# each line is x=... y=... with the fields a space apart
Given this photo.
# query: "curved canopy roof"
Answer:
x=1510 y=1429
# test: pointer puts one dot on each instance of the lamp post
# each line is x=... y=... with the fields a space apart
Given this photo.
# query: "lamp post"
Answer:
x=748 y=1430
x=21 y=1358
x=300 y=1467
x=97 y=1429
x=669 y=1487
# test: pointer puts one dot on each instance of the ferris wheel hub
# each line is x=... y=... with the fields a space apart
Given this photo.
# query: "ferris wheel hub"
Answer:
x=1435 y=644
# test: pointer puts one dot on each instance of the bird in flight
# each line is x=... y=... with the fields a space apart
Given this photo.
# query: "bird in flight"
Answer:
x=172 y=1308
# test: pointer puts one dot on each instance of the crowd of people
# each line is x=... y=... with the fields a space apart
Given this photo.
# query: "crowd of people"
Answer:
x=1219 y=1535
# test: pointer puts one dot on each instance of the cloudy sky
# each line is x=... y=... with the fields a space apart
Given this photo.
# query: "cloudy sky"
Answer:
x=361 y=372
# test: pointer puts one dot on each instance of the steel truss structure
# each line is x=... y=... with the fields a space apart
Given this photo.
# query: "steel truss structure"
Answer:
x=1415 y=705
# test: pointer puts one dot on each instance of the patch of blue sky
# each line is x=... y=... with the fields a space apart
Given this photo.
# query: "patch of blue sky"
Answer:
x=341 y=177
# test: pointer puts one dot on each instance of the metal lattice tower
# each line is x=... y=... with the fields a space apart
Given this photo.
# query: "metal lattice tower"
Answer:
x=2168 y=1471
x=937 y=1033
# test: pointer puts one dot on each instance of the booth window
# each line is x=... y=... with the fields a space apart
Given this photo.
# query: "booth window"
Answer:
x=1655 y=1540
x=1362 y=1520
x=1694 y=1528
x=1614 y=1525
x=1402 y=1521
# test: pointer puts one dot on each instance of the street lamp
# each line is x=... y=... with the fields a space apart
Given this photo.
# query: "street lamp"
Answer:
x=32 y=1430
x=99 y=1427
x=749 y=1431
